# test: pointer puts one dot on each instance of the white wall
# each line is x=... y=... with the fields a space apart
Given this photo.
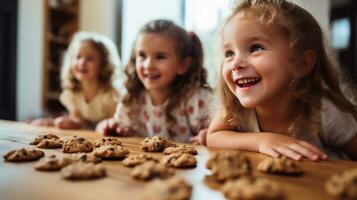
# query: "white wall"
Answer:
x=320 y=9
x=29 y=58
x=138 y=12
x=99 y=16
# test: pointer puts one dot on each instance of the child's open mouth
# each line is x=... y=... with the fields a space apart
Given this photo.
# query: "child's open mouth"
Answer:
x=152 y=76
x=83 y=71
x=247 y=82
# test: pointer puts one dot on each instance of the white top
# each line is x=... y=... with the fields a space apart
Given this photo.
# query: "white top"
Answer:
x=338 y=128
x=191 y=116
x=95 y=110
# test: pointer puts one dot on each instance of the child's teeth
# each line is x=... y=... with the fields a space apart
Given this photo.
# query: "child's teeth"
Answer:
x=248 y=80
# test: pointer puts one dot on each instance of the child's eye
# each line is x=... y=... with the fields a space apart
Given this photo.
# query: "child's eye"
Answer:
x=161 y=56
x=90 y=58
x=141 y=55
x=228 y=53
x=256 y=47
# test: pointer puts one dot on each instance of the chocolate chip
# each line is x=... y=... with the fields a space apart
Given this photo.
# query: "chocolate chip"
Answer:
x=81 y=140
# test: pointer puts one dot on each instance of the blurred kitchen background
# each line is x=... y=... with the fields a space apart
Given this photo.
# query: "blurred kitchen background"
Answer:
x=34 y=35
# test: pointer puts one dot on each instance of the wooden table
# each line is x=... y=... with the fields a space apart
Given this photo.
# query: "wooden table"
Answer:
x=21 y=181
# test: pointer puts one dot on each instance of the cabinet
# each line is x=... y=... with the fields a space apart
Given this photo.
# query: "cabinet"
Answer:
x=61 y=22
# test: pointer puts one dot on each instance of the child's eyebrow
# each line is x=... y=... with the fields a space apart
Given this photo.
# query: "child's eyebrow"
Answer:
x=226 y=45
x=162 y=53
x=258 y=38
x=250 y=39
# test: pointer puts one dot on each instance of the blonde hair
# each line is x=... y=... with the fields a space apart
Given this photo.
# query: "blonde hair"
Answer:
x=303 y=33
x=109 y=60
x=187 y=45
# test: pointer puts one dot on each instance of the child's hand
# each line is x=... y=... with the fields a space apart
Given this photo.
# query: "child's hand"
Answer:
x=67 y=123
x=101 y=126
x=42 y=122
x=112 y=127
x=200 y=138
x=276 y=145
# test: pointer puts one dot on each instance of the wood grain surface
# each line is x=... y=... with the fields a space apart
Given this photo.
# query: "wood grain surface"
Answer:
x=19 y=181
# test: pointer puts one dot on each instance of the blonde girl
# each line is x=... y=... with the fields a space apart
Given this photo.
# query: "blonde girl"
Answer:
x=167 y=92
x=87 y=76
x=279 y=91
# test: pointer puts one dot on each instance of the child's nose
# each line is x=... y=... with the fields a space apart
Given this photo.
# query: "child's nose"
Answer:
x=81 y=61
x=238 y=64
x=236 y=67
x=148 y=63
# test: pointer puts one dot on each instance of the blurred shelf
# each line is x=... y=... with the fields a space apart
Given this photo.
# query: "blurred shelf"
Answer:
x=62 y=18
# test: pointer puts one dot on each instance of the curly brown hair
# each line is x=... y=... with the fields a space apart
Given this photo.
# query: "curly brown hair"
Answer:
x=109 y=60
x=187 y=45
x=303 y=33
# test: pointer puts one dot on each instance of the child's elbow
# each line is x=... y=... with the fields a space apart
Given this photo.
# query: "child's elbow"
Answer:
x=210 y=138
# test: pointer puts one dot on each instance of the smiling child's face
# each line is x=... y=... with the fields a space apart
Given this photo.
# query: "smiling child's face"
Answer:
x=256 y=63
x=156 y=61
x=85 y=66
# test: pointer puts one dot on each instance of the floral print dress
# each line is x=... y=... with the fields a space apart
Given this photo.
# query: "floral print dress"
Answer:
x=191 y=116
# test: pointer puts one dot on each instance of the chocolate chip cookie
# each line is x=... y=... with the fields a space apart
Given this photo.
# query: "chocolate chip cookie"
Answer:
x=279 y=166
x=106 y=141
x=54 y=163
x=252 y=188
x=179 y=160
x=23 y=154
x=174 y=188
x=155 y=144
x=88 y=157
x=226 y=165
x=137 y=159
x=343 y=185
x=111 y=152
x=52 y=143
x=39 y=138
x=83 y=170
x=181 y=149
x=77 y=144
x=150 y=170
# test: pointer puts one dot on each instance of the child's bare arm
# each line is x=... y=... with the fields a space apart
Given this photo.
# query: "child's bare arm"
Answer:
x=67 y=122
x=219 y=135
x=73 y=121
x=222 y=135
x=200 y=138
x=42 y=122
x=350 y=148
x=112 y=127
